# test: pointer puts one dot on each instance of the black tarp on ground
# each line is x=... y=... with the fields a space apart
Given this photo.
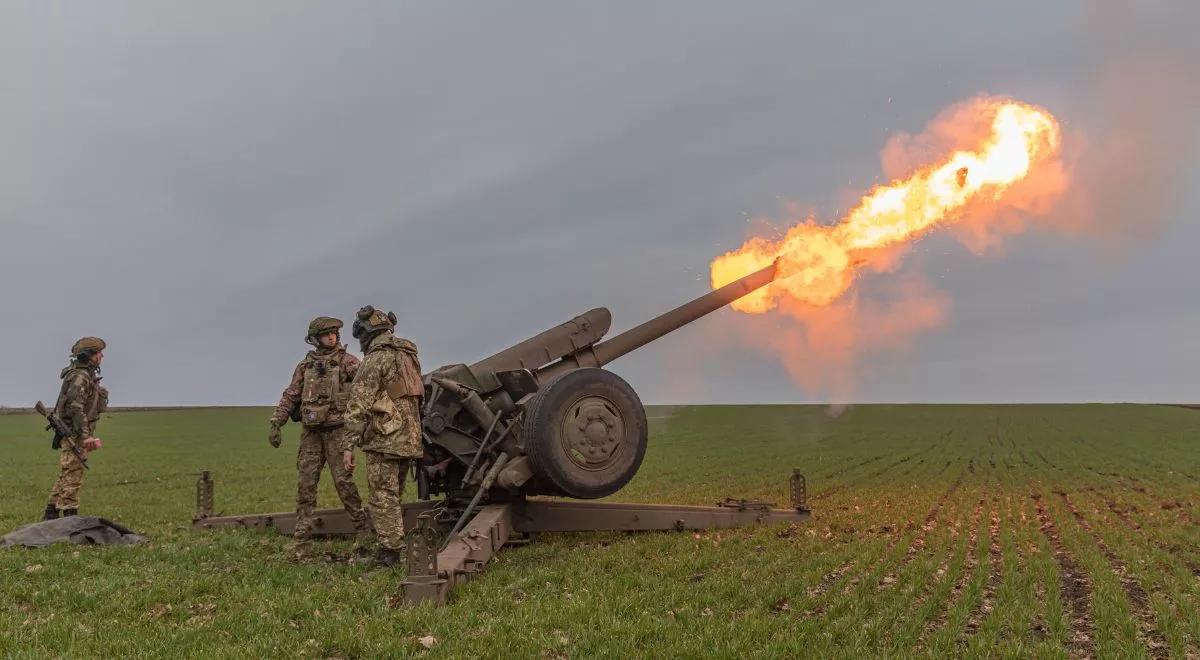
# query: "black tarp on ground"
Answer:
x=83 y=530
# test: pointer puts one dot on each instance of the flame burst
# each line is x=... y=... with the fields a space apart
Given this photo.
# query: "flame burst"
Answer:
x=817 y=263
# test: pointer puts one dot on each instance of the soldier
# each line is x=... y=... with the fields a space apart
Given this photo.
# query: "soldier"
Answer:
x=383 y=419
x=80 y=402
x=316 y=397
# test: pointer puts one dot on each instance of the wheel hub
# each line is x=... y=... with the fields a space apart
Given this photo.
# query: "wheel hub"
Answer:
x=592 y=432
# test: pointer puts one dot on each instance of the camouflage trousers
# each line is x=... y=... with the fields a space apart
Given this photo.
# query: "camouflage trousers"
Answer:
x=318 y=447
x=385 y=475
x=65 y=494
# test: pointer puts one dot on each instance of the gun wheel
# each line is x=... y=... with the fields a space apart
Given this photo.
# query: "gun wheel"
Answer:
x=585 y=433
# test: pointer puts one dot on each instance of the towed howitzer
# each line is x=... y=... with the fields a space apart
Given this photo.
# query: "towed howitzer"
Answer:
x=61 y=432
x=565 y=426
x=541 y=417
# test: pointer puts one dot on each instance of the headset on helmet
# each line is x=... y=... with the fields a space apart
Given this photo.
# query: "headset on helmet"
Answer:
x=369 y=320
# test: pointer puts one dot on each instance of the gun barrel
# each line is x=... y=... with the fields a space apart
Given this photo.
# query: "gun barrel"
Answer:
x=639 y=336
x=604 y=352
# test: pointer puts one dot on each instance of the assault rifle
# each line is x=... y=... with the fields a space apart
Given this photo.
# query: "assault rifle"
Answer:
x=60 y=432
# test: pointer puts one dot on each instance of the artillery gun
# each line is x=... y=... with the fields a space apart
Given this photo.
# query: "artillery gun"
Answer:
x=540 y=418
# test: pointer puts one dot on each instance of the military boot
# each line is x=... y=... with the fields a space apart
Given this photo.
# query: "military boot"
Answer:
x=67 y=513
x=51 y=512
x=364 y=544
x=387 y=558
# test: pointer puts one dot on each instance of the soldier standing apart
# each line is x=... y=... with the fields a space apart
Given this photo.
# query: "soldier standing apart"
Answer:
x=383 y=419
x=80 y=402
x=316 y=397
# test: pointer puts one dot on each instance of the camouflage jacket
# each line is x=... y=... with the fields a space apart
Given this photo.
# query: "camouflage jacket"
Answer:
x=293 y=395
x=384 y=414
x=79 y=400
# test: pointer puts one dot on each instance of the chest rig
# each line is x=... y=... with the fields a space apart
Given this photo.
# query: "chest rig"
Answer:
x=92 y=394
x=325 y=392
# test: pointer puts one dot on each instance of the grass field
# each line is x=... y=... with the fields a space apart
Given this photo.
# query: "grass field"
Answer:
x=1052 y=531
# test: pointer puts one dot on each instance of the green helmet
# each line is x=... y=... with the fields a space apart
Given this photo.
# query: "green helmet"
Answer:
x=87 y=345
x=369 y=320
x=322 y=325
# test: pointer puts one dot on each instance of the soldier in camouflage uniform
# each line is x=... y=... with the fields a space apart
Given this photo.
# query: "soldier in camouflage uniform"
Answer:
x=316 y=397
x=80 y=402
x=383 y=419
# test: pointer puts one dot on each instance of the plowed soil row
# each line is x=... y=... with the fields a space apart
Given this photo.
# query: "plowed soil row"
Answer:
x=987 y=602
x=970 y=563
x=1148 y=631
x=1075 y=587
x=928 y=525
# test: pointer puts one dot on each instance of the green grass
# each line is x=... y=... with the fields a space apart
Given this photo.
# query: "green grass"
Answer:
x=937 y=530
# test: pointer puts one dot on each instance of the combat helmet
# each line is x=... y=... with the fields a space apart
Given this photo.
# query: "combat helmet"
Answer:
x=322 y=325
x=369 y=321
x=87 y=346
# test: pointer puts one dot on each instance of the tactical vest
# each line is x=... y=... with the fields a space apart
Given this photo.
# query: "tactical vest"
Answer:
x=96 y=396
x=324 y=393
x=407 y=381
x=398 y=407
x=99 y=404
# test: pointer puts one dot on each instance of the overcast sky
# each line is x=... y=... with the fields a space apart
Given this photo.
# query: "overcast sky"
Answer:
x=194 y=182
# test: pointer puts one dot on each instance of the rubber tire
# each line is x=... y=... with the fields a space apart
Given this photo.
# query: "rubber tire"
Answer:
x=543 y=430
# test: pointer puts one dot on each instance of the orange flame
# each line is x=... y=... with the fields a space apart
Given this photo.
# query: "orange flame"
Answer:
x=817 y=263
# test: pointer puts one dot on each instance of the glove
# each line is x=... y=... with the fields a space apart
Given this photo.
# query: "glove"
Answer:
x=275 y=437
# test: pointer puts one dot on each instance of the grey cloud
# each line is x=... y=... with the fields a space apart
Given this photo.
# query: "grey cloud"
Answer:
x=223 y=172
